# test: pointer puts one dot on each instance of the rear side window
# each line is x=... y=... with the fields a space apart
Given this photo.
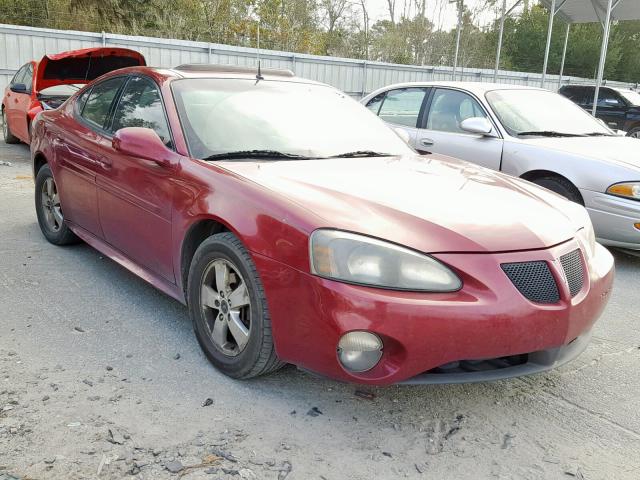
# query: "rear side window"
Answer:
x=140 y=105
x=98 y=104
x=402 y=107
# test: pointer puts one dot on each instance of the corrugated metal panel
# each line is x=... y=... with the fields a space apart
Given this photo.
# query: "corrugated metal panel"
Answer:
x=20 y=44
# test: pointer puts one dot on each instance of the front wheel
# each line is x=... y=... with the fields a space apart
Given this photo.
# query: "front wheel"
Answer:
x=561 y=186
x=6 y=133
x=49 y=210
x=229 y=310
x=634 y=133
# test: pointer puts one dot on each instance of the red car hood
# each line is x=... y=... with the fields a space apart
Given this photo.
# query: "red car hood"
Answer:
x=82 y=66
x=432 y=204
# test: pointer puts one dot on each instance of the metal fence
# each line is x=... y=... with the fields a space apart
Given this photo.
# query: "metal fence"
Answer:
x=19 y=44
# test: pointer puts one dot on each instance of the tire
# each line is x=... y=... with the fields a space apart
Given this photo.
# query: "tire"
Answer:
x=49 y=211
x=9 y=137
x=218 y=314
x=634 y=132
x=561 y=186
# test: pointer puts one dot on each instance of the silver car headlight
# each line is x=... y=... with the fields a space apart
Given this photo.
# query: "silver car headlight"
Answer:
x=363 y=260
x=626 y=189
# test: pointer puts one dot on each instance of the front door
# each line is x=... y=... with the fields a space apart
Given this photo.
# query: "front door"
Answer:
x=17 y=104
x=81 y=155
x=135 y=195
x=442 y=132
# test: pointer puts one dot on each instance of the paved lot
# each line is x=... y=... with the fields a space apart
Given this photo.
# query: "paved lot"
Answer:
x=91 y=386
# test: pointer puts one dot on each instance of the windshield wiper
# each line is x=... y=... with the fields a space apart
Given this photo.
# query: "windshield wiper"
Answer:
x=598 y=134
x=361 y=153
x=250 y=154
x=549 y=133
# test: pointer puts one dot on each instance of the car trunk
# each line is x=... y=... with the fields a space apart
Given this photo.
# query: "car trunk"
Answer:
x=82 y=66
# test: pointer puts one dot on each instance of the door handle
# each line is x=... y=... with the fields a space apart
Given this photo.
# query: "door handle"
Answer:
x=426 y=142
x=104 y=162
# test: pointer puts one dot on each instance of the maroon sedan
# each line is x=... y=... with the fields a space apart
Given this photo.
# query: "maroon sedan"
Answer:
x=298 y=228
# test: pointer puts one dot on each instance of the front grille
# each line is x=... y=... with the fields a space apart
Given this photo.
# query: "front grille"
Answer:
x=573 y=271
x=534 y=280
x=486 y=365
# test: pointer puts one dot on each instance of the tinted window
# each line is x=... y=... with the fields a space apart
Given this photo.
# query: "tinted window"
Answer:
x=449 y=108
x=82 y=99
x=28 y=77
x=608 y=98
x=140 y=106
x=98 y=104
x=375 y=102
x=402 y=107
x=20 y=74
x=579 y=95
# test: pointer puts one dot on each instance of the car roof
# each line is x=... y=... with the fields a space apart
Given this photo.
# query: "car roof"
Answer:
x=214 y=71
x=478 y=88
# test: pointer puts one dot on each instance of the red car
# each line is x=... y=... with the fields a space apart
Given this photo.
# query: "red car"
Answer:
x=44 y=85
x=298 y=228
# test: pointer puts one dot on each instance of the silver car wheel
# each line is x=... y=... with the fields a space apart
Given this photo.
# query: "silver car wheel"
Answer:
x=51 y=205
x=635 y=134
x=226 y=306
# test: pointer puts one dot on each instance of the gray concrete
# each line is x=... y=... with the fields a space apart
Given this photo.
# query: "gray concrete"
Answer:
x=87 y=348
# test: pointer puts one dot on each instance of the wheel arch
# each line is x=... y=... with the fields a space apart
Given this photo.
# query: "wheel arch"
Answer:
x=197 y=233
x=39 y=160
x=534 y=175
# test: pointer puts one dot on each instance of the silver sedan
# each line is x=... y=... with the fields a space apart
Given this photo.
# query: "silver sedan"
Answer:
x=529 y=133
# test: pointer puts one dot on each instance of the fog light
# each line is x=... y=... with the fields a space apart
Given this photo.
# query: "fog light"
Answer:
x=359 y=351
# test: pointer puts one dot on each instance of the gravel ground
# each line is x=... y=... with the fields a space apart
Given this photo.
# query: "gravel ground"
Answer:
x=101 y=377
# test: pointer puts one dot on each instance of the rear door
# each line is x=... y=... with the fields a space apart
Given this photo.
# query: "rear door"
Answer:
x=16 y=104
x=135 y=196
x=83 y=153
x=401 y=108
x=441 y=132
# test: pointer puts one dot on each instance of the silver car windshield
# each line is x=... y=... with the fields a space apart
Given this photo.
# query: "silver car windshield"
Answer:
x=522 y=111
x=301 y=120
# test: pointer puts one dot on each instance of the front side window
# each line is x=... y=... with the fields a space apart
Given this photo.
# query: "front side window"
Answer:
x=28 y=77
x=375 y=102
x=521 y=111
x=98 y=104
x=140 y=105
x=20 y=75
x=220 y=116
x=449 y=108
x=402 y=107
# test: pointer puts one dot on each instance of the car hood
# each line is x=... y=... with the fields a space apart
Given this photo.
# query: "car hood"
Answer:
x=82 y=66
x=622 y=151
x=432 y=204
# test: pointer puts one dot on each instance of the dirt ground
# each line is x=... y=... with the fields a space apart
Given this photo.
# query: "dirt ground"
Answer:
x=101 y=377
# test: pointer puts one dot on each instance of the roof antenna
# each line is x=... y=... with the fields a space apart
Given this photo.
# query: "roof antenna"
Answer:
x=259 y=74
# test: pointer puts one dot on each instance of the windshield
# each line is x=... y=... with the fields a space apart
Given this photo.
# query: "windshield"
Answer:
x=632 y=97
x=522 y=111
x=235 y=115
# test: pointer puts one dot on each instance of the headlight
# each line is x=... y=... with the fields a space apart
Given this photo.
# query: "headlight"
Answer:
x=628 y=190
x=363 y=260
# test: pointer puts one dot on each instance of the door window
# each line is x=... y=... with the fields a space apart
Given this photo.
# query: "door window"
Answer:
x=28 y=78
x=20 y=75
x=608 y=98
x=98 y=104
x=402 y=107
x=141 y=106
x=375 y=102
x=449 y=108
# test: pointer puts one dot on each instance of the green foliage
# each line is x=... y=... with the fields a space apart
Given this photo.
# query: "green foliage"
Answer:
x=342 y=28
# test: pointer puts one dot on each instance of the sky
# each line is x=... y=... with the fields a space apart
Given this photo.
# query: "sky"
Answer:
x=440 y=12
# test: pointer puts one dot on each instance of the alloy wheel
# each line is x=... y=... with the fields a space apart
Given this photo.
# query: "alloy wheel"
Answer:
x=51 y=205
x=226 y=306
x=635 y=134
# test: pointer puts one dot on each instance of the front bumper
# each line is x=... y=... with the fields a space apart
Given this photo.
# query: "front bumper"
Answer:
x=487 y=319
x=614 y=219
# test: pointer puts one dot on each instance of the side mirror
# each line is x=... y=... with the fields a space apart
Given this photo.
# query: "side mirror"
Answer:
x=143 y=143
x=403 y=134
x=18 y=88
x=478 y=125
